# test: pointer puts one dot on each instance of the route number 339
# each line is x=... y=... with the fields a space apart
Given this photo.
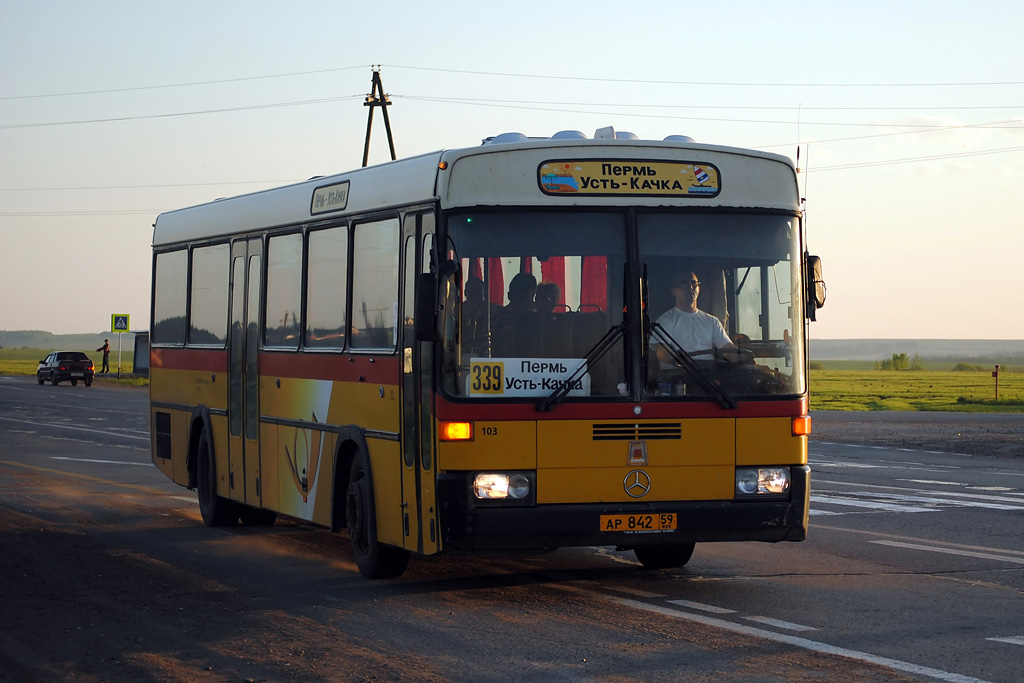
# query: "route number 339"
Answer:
x=486 y=378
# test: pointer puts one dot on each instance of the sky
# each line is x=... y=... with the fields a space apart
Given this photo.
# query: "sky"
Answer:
x=909 y=117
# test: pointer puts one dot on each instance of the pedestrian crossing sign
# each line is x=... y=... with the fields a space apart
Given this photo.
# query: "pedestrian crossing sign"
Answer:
x=119 y=322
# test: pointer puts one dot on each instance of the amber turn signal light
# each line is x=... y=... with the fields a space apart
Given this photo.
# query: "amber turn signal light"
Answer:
x=455 y=431
x=802 y=425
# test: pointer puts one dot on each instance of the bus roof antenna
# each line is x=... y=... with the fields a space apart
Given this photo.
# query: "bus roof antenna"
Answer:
x=377 y=98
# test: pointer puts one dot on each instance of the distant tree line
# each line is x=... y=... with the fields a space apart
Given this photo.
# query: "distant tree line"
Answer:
x=901 y=361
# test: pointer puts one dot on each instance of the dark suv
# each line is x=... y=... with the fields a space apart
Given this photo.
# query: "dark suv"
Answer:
x=63 y=366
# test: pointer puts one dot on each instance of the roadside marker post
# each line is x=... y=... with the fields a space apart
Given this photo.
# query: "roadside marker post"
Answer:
x=996 y=375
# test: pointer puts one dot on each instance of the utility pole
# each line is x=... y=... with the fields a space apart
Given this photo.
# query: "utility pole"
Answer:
x=377 y=98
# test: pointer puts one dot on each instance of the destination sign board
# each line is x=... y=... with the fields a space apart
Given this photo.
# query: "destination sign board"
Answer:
x=640 y=178
x=329 y=198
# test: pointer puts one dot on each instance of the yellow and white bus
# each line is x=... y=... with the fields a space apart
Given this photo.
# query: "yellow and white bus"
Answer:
x=345 y=350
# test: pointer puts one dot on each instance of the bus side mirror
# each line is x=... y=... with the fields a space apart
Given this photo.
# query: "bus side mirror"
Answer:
x=815 y=286
x=426 y=307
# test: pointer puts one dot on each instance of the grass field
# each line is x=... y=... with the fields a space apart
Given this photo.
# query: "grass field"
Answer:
x=923 y=390
x=839 y=385
x=25 y=361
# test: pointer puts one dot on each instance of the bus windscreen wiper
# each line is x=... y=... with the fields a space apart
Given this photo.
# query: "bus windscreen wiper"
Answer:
x=686 y=361
x=593 y=354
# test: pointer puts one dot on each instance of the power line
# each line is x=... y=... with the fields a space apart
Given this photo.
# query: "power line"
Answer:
x=993 y=125
x=823 y=169
x=711 y=83
x=180 y=85
x=910 y=160
x=479 y=100
x=147 y=187
x=292 y=74
x=110 y=212
x=176 y=114
x=922 y=126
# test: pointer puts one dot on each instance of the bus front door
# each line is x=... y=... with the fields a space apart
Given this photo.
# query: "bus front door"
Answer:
x=419 y=502
x=243 y=372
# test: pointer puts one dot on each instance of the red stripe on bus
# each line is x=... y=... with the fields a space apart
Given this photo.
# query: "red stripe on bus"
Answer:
x=331 y=366
x=206 y=360
x=335 y=367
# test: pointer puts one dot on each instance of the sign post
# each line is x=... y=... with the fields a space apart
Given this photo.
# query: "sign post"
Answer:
x=119 y=323
x=996 y=375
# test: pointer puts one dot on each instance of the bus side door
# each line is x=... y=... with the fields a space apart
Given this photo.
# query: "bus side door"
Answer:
x=421 y=531
x=243 y=371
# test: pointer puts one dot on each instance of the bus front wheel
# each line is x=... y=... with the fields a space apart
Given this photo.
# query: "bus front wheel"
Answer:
x=664 y=556
x=374 y=559
x=216 y=511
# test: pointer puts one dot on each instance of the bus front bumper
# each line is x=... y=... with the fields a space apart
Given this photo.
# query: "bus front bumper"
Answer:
x=468 y=527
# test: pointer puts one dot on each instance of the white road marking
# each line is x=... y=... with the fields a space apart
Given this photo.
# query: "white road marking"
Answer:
x=952 y=499
x=949 y=497
x=702 y=607
x=80 y=429
x=186 y=499
x=884 y=448
x=857 y=503
x=922 y=541
x=637 y=593
x=796 y=641
x=1012 y=640
x=779 y=623
x=951 y=551
x=102 y=462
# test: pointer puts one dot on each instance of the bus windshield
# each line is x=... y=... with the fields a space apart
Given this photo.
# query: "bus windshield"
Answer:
x=732 y=273
x=541 y=291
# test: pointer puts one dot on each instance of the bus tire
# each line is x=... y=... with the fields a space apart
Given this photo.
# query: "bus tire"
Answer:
x=216 y=511
x=374 y=559
x=251 y=516
x=664 y=556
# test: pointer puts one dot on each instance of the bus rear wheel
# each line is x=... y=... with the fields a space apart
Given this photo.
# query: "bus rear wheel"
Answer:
x=664 y=556
x=216 y=511
x=374 y=559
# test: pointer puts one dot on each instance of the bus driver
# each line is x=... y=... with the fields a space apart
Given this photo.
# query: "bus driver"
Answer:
x=691 y=328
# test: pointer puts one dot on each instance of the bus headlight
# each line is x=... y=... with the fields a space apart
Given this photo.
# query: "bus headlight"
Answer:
x=507 y=487
x=760 y=481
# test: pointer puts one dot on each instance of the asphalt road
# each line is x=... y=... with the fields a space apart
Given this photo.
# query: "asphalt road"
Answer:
x=914 y=570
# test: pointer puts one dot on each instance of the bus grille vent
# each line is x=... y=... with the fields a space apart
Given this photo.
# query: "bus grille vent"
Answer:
x=635 y=432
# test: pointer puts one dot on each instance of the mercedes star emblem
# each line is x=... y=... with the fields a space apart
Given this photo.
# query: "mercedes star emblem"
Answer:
x=637 y=483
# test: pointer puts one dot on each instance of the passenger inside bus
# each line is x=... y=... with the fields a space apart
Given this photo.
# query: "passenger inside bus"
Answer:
x=474 y=314
x=548 y=296
x=516 y=324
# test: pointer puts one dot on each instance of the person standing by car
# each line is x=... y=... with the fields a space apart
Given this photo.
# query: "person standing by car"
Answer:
x=106 y=356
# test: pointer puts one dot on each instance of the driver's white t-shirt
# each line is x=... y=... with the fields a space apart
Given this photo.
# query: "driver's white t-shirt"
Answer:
x=693 y=331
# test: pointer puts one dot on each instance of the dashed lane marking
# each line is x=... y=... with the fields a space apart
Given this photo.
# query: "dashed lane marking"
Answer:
x=702 y=607
x=951 y=551
x=779 y=623
x=795 y=641
x=1012 y=640
x=102 y=462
